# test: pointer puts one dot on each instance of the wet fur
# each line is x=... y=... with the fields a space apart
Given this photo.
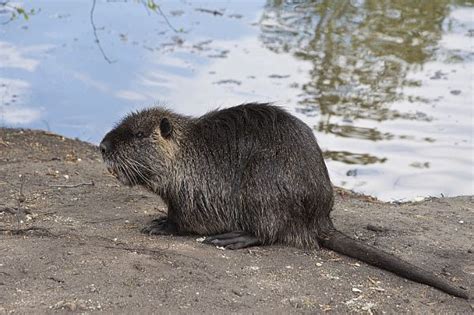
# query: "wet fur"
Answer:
x=251 y=168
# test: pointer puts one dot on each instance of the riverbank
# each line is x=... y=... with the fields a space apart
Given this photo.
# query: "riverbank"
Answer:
x=75 y=244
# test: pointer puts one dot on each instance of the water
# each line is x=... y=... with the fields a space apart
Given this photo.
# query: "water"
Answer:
x=386 y=85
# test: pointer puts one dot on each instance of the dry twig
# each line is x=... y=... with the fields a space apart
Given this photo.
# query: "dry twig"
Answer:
x=91 y=183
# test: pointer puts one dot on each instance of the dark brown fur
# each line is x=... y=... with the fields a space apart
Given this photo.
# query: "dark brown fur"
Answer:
x=251 y=174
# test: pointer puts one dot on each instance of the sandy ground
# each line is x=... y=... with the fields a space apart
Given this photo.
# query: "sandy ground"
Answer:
x=75 y=245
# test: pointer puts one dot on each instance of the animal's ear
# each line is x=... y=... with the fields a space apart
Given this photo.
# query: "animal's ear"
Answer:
x=165 y=128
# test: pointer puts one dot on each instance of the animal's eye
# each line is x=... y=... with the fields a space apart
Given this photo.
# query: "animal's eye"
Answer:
x=140 y=135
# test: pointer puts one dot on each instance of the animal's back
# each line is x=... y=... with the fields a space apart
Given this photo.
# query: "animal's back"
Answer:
x=264 y=173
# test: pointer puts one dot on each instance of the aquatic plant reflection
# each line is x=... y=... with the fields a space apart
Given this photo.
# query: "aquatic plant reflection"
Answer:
x=361 y=52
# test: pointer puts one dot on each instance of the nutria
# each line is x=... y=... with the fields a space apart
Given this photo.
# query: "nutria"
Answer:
x=242 y=176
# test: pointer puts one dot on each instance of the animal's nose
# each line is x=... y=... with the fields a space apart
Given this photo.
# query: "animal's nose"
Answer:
x=105 y=146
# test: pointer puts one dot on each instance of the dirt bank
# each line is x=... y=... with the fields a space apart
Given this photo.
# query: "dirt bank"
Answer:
x=75 y=245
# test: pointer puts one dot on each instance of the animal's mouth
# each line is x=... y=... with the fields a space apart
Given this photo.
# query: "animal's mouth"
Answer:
x=129 y=173
x=114 y=170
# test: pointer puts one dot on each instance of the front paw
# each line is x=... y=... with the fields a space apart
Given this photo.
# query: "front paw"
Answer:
x=160 y=226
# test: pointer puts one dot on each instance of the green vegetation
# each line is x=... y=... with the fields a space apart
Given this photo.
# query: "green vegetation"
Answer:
x=12 y=11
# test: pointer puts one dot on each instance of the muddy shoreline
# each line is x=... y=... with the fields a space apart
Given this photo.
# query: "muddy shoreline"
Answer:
x=70 y=241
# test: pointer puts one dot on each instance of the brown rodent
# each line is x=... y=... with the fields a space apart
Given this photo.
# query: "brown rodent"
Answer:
x=246 y=175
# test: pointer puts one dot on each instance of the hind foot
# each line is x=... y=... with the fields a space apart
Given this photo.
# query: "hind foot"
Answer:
x=233 y=240
x=160 y=226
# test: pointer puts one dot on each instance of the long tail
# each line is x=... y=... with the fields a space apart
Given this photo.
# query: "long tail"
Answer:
x=343 y=244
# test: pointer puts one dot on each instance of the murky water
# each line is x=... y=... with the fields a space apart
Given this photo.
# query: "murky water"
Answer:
x=386 y=85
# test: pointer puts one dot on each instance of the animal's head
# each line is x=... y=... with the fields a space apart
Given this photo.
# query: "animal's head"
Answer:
x=140 y=149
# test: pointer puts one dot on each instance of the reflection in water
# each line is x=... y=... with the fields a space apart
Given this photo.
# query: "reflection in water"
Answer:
x=361 y=52
x=385 y=85
x=13 y=57
x=384 y=80
x=352 y=158
x=349 y=131
x=14 y=91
